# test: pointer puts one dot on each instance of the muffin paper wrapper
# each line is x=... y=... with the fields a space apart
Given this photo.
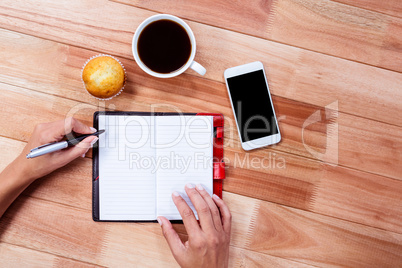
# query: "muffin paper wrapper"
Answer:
x=102 y=55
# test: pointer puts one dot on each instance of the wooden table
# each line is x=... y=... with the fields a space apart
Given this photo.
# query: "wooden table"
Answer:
x=334 y=68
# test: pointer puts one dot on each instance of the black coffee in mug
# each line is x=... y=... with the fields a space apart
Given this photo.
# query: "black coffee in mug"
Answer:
x=164 y=46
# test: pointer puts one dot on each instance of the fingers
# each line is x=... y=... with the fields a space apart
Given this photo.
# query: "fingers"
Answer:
x=72 y=124
x=61 y=128
x=80 y=149
x=203 y=210
x=216 y=217
x=225 y=213
x=187 y=214
x=171 y=236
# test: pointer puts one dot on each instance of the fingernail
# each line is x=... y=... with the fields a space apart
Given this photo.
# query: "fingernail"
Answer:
x=93 y=129
x=199 y=187
x=176 y=193
x=83 y=155
x=190 y=185
x=217 y=197
x=159 y=221
x=94 y=140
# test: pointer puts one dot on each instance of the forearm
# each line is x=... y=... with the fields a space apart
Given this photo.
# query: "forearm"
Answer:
x=22 y=171
x=13 y=181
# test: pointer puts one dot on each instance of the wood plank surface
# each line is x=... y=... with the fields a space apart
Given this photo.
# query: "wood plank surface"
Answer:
x=390 y=7
x=357 y=138
x=245 y=211
x=287 y=232
x=54 y=188
x=320 y=25
x=16 y=256
x=69 y=231
x=329 y=79
x=73 y=216
x=300 y=183
x=329 y=195
x=247 y=258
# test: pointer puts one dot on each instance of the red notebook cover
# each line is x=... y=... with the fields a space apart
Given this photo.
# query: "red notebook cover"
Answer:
x=218 y=164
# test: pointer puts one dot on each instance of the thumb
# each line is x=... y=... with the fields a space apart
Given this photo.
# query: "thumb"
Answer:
x=81 y=148
x=171 y=236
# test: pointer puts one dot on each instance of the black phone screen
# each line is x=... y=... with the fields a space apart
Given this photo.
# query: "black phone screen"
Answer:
x=252 y=105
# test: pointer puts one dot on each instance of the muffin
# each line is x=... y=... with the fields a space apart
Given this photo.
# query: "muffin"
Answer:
x=104 y=77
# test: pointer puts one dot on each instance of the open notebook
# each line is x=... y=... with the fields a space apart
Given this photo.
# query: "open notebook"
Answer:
x=142 y=159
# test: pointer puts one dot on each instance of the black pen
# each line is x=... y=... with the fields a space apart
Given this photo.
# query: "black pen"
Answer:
x=57 y=146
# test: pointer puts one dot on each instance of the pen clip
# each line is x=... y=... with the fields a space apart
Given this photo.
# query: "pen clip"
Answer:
x=44 y=145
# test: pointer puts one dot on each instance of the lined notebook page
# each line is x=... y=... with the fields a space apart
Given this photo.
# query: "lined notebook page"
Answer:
x=185 y=146
x=126 y=185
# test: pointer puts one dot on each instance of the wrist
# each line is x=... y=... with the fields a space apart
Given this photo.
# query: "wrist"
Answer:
x=21 y=169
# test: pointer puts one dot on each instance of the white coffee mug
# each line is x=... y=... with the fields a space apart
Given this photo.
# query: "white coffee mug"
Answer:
x=190 y=62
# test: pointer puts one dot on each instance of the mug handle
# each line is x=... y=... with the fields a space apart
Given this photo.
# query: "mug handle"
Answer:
x=198 y=68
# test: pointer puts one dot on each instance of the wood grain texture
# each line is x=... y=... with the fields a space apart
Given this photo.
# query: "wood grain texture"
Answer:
x=357 y=138
x=393 y=43
x=247 y=212
x=334 y=68
x=53 y=228
x=247 y=258
x=363 y=190
x=215 y=50
x=16 y=256
x=324 y=26
x=320 y=188
x=111 y=244
x=273 y=229
x=390 y=7
x=285 y=232
x=295 y=183
x=257 y=225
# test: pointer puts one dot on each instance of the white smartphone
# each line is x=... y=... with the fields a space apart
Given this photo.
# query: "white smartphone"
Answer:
x=252 y=105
